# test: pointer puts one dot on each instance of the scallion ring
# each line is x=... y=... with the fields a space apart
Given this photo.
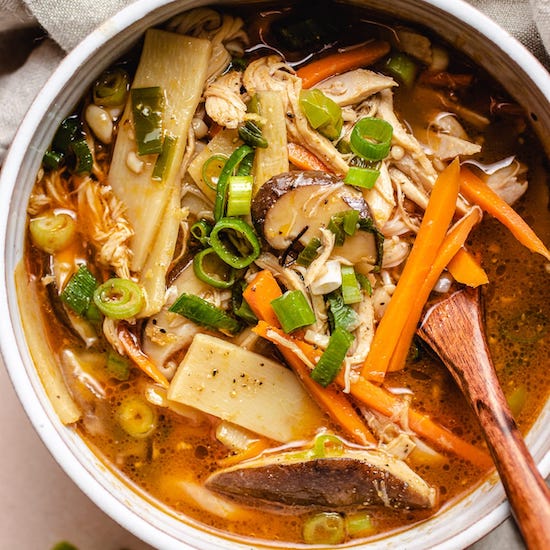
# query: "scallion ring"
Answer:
x=362 y=177
x=201 y=231
x=371 y=137
x=235 y=242
x=293 y=310
x=211 y=170
x=330 y=362
x=111 y=88
x=239 y=195
x=119 y=298
x=215 y=273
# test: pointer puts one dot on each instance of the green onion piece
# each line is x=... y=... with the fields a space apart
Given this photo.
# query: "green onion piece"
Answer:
x=69 y=130
x=344 y=147
x=165 y=158
x=117 y=365
x=322 y=113
x=340 y=315
x=367 y=224
x=358 y=524
x=402 y=67
x=362 y=177
x=229 y=169
x=293 y=310
x=52 y=160
x=201 y=231
x=148 y=111
x=239 y=195
x=211 y=170
x=245 y=166
x=349 y=223
x=252 y=135
x=52 y=231
x=111 y=88
x=235 y=242
x=371 y=137
x=82 y=157
x=136 y=417
x=364 y=283
x=210 y=269
x=351 y=291
x=327 y=445
x=309 y=253
x=330 y=362
x=119 y=298
x=240 y=306
x=342 y=224
x=324 y=528
x=79 y=291
x=204 y=313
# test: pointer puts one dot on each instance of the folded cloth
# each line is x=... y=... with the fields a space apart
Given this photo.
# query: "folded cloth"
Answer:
x=67 y=22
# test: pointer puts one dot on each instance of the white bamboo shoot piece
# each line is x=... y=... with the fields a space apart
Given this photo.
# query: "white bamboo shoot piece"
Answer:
x=42 y=354
x=178 y=65
x=273 y=159
x=244 y=388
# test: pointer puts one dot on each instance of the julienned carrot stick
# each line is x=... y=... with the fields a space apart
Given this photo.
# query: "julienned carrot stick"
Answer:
x=134 y=352
x=330 y=398
x=451 y=244
x=478 y=192
x=304 y=159
x=435 y=222
x=466 y=269
x=338 y=63
x=384 y=402
x=259 y=294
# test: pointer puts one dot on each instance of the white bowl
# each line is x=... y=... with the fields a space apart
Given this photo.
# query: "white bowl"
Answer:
x=453 y=527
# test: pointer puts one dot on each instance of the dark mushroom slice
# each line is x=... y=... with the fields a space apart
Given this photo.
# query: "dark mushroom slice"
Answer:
x=355 y=479
x=297 y=204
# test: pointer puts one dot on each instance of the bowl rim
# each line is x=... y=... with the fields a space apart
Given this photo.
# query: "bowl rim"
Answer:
x=106 y=32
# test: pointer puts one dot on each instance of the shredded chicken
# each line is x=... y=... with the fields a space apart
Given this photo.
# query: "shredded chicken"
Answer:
x=224 y=103
x=509 y=182
x=50 y=191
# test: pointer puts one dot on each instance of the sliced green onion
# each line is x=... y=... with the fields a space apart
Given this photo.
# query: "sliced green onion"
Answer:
x=367 y=224
x=111 y=88
x=362 y=177
x=52 y=231
x=245 y=166
x=69 y=130
x=119 y=298
x=136 y=417
x=164 y=160
x=293 y=310
x=239 y=195
x=79 y=291
x=351 y=291
x=229 y=169
x=252 y=135
x=211 y=170
x=69 y=142
x=117 y=365
x=309 y=253
x=402 y=67
x=235 y=242
x=342 y=224
x=340 y=315
x=240 y=306
x=53 y=160
x=82 y=157
x=324 y=528
x=371 y=137
x=204 y=313
x=330 y=362
x=327 y=445
x=322 y=113
x=201 y=231
x=148 y=112
x=210 y=269
x=364 y=283
x=358 y=524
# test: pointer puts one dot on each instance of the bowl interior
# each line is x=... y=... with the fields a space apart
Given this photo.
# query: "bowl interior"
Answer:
x=470 y=31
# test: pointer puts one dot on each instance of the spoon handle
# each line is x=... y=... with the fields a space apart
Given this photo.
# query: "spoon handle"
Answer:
x=453 y=329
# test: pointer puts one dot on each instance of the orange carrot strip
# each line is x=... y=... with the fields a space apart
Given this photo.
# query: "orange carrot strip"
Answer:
x=134 y=352
x=333 y=400
x=467 y=270
x=338 y=63
x=452 y=243
x=478 y=192
x=435 y=222
x=304 y=159
x=384 y=402
x=251 y=451
x=259 y=294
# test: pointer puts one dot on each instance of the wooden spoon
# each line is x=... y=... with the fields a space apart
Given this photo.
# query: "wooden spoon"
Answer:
x=453 y=328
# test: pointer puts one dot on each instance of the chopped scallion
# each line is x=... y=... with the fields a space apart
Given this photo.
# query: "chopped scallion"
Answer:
x=351 y=291
x=111 y=88
x=235 y=242
x=119 y=298
x=212 y=169
x=340 y=315
x=309 y=253
x=239 y=195
x=209 y=268
x=371 y=137
x=79 y=291
x=201 y=231
x=252 y=135
x=362 y=177
x=322 y=113
x=148 y=113
x=164 y=160
x=330 y=362
x=117 y=365
x=402 y=67
x=293 y=310
x=324 y=528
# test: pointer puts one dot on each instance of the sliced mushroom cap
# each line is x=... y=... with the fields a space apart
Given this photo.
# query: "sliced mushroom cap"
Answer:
x=357 y=478
x=295 y=205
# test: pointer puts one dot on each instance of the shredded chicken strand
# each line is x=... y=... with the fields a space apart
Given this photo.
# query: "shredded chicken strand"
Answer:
x=224 y=103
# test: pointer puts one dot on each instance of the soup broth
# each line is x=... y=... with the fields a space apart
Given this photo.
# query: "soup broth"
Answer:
x=148 y=274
